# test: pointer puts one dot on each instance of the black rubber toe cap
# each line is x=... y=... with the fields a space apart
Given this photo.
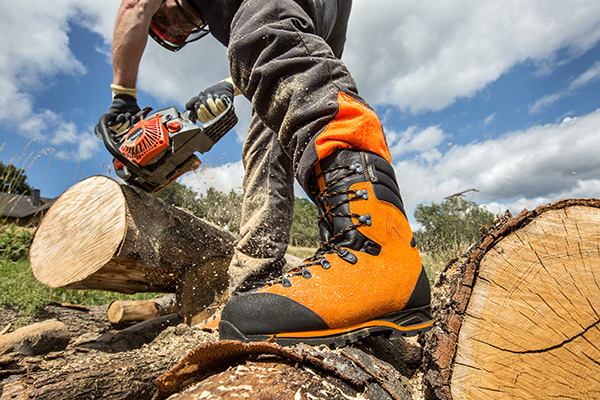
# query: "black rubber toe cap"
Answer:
x=269 y=313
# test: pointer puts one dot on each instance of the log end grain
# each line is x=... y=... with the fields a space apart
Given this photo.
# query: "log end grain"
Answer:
x=519 y=315
x=80 y=233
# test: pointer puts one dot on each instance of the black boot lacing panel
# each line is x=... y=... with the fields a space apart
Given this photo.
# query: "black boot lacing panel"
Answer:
x=329 y=246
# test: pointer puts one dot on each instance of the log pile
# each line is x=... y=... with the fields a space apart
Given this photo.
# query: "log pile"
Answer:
x=517 y=315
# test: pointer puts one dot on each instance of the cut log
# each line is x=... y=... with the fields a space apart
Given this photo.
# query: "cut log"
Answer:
x=36 y=339
x=106 y=236
x=230 y=369
x=517 y=316
x=141 y=310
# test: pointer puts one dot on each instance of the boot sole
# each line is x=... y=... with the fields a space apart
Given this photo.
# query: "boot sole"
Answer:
x=401 y=324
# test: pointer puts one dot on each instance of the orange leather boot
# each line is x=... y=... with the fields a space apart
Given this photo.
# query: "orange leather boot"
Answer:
x=366 y=278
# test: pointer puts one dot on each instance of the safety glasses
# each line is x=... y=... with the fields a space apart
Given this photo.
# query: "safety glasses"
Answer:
x=173 y=30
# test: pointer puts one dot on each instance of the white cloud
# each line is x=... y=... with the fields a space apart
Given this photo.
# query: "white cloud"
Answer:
x=424 y=55
x=488 y=120
x=36 y=49
x=414 y=140
x=546 y=101
x=519 y=169
x=590 y=75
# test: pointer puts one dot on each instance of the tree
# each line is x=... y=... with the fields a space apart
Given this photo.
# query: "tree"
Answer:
x=225 y=210
x=178 y=195
x=13 y=180
x=305 y=231
x=450 y=225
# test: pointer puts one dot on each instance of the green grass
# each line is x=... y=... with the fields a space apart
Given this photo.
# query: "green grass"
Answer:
x=19 y=288
x=434 y=262
x=301 y=252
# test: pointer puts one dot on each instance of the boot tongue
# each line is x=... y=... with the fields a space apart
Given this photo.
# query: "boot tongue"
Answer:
x=325 y=228
x=339 y=173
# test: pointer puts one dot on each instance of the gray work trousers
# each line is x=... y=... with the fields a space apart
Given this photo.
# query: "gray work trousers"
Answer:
x=267 y=209
x=284 y=57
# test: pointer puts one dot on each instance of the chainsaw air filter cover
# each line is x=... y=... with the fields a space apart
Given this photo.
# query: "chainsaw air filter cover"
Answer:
x=147 y=139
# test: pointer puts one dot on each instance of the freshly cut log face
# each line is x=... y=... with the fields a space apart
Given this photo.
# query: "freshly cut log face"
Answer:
x=522 y=313
x=81 y=232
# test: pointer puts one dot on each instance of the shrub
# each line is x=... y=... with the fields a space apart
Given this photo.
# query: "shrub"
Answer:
x=448 y=229
x=14 y=242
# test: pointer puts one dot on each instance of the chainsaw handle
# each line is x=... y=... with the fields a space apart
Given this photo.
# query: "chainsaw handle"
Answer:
x=113 y=149
x=191 y=115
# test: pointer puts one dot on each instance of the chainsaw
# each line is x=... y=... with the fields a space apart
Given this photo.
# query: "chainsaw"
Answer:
x=160 y=146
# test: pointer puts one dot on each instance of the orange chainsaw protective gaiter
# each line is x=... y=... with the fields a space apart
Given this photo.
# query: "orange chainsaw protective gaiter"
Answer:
x=355 y=126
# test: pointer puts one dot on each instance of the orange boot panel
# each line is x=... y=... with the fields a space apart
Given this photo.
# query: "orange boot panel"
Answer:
x=355 y=126
x=346 y=294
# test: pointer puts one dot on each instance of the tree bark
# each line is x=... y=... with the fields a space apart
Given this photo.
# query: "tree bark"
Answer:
x=82 y=372
x=106 y=236
x=517 y=316
x=35 y=339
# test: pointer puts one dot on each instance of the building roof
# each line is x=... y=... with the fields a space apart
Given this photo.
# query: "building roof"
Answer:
x=21 y=206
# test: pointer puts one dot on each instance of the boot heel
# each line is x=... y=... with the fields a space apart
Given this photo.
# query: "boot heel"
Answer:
x=411 y=322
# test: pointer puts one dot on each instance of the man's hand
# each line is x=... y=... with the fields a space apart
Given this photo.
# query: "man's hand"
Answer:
x=120 y=113
x=124 y=107
x=211 y=102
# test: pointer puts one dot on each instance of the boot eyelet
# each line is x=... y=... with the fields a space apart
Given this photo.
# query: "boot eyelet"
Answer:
x=356 y=167
x=366 y=219
x=286 y=282
x=325 y=263
x=363 y=193
x=306 y=274
x=347 y=256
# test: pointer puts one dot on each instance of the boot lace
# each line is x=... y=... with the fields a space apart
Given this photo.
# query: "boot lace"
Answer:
x=330 y=246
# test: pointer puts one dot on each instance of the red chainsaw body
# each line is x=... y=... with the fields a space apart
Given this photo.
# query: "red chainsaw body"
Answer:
x=145 y=140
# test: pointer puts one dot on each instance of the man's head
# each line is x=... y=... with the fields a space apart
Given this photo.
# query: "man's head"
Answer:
x=177 y=23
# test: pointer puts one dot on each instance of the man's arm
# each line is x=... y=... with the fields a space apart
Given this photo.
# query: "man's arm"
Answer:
x=130 y=38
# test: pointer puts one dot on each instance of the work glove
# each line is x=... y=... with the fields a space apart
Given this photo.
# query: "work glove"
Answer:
x=121 y=111
x=211 y=102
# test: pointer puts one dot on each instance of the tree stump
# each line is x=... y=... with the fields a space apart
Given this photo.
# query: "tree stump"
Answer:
x=517 y=316
x=106 y=236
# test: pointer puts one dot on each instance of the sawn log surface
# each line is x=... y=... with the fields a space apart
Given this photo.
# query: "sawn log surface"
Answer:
x=518 y=315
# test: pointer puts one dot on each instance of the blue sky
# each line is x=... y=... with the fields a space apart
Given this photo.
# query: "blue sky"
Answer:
x=497 y=96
